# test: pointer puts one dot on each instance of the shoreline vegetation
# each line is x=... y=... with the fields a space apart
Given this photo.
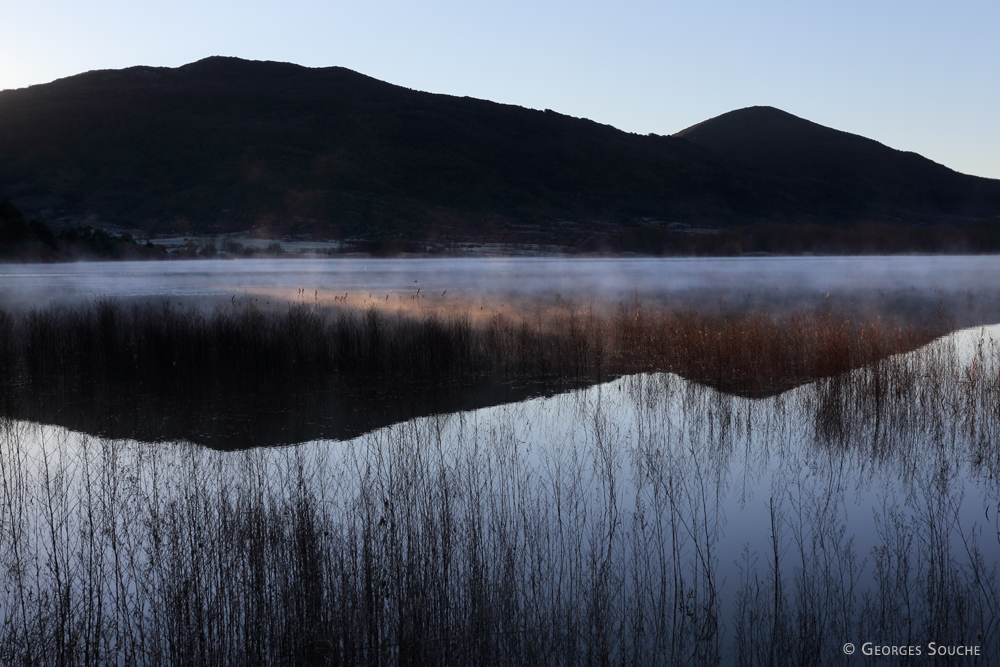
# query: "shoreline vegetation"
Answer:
x=440 y=542
x=239 y=376
x=23 y=240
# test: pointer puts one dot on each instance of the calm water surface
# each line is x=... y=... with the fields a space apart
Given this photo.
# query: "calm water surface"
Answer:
x=968 y=287
x=720 y=525
x=648 y=516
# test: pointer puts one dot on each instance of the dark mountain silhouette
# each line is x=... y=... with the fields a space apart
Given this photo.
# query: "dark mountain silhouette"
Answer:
x=842 y=175
x=225 y=144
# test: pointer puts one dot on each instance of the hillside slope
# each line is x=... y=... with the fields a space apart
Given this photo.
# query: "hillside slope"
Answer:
x=844 y=175
x=225 y=144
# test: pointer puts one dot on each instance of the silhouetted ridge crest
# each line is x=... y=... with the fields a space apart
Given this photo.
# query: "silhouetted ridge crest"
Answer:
x=227 y=66
x=776 y=140
x=840 y=170
x=225 y=144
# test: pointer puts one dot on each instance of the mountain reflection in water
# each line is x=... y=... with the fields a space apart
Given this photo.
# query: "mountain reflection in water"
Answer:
x=647 y=520
x=240 y=376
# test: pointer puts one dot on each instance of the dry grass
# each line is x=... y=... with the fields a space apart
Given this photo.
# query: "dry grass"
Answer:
x=163 y=348
x=756 y=355
x=406 y=547
x=409 y=547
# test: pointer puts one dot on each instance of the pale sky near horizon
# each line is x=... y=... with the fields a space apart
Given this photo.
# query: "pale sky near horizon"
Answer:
x=918 y=75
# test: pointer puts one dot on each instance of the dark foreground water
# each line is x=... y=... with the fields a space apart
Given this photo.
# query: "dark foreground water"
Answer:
x=646 y=521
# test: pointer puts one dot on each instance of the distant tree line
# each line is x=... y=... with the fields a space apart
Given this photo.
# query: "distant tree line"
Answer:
x=31 y=240
x=810 y=238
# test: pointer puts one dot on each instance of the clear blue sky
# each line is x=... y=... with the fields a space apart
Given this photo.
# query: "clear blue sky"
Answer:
x=916 y=75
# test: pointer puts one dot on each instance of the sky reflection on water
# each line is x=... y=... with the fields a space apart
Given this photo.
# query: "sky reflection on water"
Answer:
x=878 y=526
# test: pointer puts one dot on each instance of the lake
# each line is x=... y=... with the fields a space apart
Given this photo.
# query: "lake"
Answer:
x=966 y=286
x=645 y=520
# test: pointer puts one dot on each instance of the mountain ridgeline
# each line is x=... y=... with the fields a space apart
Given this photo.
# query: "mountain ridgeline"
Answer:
x=227 y=145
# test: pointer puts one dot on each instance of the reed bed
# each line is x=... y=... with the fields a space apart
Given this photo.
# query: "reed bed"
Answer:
x=108 y=348
x=451 y=541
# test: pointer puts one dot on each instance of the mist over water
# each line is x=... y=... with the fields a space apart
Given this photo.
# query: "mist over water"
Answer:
x=967 y=288
x=646 y=520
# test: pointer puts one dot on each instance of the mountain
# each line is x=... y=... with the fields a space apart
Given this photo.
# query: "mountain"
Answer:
x=225 y=144
x=844 y=175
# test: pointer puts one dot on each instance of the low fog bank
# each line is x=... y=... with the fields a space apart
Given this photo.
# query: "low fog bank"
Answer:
x=915 y=288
